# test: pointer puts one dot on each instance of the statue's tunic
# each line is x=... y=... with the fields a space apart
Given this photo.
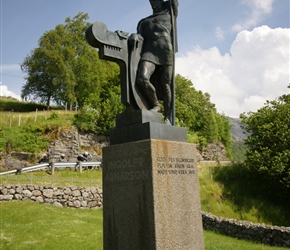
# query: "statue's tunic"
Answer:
x=156 y=32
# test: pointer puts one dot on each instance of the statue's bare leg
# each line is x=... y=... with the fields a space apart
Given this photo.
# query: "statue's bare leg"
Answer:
x=166 y=81
x=145 y=71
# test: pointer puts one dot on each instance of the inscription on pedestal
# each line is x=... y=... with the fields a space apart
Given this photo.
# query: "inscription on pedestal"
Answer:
x=126 y=170
x=175 y=166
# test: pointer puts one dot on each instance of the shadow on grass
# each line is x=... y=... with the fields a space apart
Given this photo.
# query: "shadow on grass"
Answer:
x=246 y=193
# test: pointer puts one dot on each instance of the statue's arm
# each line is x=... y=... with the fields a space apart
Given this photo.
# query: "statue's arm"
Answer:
x=136 y=37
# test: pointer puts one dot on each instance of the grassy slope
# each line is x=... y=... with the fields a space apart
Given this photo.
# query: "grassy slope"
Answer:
x=229 y=192
x=31 y=132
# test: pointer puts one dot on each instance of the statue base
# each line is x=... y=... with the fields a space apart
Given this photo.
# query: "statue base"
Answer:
x=131 y=117
x=137 y=125
x=151 y=197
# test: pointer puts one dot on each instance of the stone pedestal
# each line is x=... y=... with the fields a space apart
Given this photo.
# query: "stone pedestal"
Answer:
x=151 y=196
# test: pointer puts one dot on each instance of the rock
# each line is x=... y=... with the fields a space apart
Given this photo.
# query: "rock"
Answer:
x=39 y=199
x=6 y=197
x=36 y=193
x=57 y=204
x=48 y=193
x=213 y=152
x=18 y=196
x=85 y=194
x=4 y=191
x=26 y=193
x=76 y=204
x=76 y=193
x=84 y=204
x=12 y=191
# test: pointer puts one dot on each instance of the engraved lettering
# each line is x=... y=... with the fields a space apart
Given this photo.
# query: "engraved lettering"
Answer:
x=127 y=176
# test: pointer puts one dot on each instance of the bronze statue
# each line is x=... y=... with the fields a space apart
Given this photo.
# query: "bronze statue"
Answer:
x=146 y=58
x=156 y=67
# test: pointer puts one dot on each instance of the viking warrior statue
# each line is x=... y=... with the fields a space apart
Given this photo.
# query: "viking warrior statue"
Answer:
x=155 y=70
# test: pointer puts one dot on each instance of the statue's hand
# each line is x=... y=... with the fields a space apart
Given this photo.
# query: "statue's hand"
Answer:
x=134 y=40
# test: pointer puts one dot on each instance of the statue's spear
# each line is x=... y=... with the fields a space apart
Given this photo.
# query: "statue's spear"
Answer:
x=174 y=12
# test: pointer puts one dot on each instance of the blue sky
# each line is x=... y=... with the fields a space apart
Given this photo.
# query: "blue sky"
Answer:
x=236 y=50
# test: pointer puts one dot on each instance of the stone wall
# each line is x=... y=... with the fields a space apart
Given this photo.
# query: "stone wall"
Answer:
x=74 y=197
x=92 y=197
x=270 y=235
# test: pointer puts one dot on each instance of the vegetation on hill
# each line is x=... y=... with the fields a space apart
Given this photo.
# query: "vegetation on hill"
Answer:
x=13 y=105
x=30 y=132
x=195 y=112
x=268 y=153
x=233 y=192
x=239 y=135
x=239 y=151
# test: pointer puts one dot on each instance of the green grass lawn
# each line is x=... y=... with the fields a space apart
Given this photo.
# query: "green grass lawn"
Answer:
x=28 y=225
x=61 y=178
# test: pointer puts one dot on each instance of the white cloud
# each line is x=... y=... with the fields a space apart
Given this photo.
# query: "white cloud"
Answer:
x=5 y=92
x=256 y=70
x=258 y=10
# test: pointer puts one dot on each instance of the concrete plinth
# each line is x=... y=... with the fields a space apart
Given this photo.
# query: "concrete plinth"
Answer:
x=151 y=196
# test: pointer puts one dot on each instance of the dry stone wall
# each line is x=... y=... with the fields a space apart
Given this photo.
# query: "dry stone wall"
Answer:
x=270 y=235
x=74 y=197
x=92 y=197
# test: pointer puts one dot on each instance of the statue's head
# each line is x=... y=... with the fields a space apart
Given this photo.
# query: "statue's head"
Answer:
x=156 y=4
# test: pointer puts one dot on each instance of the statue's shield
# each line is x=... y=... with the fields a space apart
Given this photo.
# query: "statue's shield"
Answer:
x=134 y=59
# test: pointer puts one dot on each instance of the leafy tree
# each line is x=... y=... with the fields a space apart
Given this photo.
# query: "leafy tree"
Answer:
x=99 y=116
x=65 y=68
x=239 y=151
x=268 y=153
x=49 y=69
x=195 y=112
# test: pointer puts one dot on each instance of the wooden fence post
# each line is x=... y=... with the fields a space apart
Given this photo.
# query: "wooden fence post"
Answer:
x=81 y=166
x=51 y=164
x=35 y=118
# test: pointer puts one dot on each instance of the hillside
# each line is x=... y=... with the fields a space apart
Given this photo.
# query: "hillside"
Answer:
x=238 y=134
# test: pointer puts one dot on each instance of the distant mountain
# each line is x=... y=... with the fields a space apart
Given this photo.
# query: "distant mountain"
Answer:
x=238 y=134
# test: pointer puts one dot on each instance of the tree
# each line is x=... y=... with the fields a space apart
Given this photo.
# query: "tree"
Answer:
x=49 y=68
x=195 y=112
x=64 y=68
x=268 y=153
